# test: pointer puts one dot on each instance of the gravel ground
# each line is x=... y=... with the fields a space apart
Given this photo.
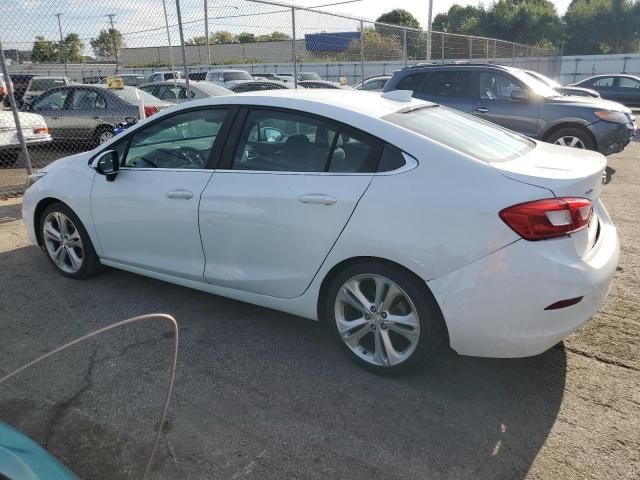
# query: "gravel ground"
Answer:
x=263 y=395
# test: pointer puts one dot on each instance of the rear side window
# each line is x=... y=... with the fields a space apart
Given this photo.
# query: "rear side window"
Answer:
x=464 y=133
x=603 y=82
x=449 y=84
x=392 y=159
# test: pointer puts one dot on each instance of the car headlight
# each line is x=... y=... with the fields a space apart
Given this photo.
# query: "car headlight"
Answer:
x=34 y=177
x=614 y=117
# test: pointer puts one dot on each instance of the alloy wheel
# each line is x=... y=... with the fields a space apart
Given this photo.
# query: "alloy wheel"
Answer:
x=570 y=141
x=63 y=243
x=105 y=137
x=377 y=320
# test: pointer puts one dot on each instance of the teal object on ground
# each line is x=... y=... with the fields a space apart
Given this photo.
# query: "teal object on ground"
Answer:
x=23 y=459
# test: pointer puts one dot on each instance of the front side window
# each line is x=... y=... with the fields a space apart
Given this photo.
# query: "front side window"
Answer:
x=464 y=133
x=51 y=101
x=603 y=82
x=626 y=82
x=87 y=100
x=448 y=84
x=182 y=141
x=496 y=86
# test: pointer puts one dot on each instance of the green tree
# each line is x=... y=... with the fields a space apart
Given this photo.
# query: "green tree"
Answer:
x=400 y=17
x=602 y=26
x=376 y=47
x=222 y=36
x=279 y=36
x=103 y=44
x=246 y=37
x=465 y=20
x=44 y=51
x=71 y=49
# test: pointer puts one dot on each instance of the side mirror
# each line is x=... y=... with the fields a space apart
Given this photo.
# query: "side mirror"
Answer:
x=107 y=163
x=520 y=96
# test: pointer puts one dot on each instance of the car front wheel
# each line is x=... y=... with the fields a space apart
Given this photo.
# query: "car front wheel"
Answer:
x=572 y=137
x=385 y=319
x=66 y=242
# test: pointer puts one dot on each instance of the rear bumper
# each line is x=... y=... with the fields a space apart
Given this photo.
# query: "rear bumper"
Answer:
x=495 y=307
x=611 y=137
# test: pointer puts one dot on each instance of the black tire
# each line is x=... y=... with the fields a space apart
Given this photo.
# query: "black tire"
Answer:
x=90 y=261
x=578 y=133
x=432 y=326
x=99 y=131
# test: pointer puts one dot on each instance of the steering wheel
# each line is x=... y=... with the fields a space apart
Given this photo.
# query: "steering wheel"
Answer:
x=192 y=156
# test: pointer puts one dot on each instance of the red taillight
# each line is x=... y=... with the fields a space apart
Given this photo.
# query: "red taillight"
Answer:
x=149 y=110
x=549 y=218
x=3 y=91
x=39 y=130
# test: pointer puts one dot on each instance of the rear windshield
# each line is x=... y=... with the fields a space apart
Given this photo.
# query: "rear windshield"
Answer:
x=232 y=76
x=213 y=89
x=309 y=76
x=463 y=132
x=128 y=94
x=41 y=84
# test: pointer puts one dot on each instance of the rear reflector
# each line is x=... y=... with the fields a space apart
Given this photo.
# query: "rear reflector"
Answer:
x=149 y=110
x=549 y=218
x=564 y=303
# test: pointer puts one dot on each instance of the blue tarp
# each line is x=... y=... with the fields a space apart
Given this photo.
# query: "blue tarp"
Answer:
x=330 y=42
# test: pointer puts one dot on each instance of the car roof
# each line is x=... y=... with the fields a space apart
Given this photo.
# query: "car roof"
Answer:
x=463 y=65
x=322 y=101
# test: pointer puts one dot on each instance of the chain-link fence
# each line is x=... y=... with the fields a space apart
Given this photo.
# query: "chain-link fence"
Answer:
x=59 y=63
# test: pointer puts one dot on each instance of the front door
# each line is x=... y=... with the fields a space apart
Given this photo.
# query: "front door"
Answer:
x=148 y=216
x=288 y=186
x=495 y=104
x=86 y=111
x=52 y=107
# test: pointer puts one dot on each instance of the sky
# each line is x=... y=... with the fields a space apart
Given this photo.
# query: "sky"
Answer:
x=143 y=21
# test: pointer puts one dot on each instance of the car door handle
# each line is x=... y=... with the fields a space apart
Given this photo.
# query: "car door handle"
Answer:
x=482 y=110
x=317 y=198
x=180 y=194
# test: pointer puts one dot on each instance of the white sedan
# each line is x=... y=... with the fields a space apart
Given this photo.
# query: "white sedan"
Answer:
x=400 y=223
x=34 y=131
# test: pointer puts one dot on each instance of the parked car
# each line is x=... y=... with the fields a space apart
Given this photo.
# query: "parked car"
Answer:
x=509 y=97
x=21 y=458
x=386 y=187
x=303 y=76
x=90 y=112
x=3 y=87
x=322 y=84
x=38 y=85
x=20 y=82
x=268 y=76
x=568 y=90
x=175 y=91
x=226 y=76
x=257 y=85
x=34 y=130
x=375 y=82
x=621 y=88
x=198 y=76
x=130 y=79
x=162 y=76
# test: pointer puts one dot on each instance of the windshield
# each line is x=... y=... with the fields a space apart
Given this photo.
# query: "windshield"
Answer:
x=128 y=94
x=534 y=84
x=464 y=133
x=231 y=76
x=212 y=89
x=309 y=76
x=41 y=84
x=544 y=79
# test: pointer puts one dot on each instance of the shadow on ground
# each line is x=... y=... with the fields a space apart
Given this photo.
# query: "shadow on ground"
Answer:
x=261 y=394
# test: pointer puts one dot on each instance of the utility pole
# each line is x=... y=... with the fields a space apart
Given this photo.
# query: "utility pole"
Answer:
x=64 y=55
x=113 y=40
x=429 y=18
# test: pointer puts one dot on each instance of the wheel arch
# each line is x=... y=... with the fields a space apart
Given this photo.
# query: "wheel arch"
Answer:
x=337 y=268
x=579 y=126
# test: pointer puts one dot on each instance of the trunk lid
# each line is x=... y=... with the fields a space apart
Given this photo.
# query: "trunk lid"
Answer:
x=565 y=172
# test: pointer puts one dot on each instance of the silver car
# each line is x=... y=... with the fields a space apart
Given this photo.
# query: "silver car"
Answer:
x=175 y=91
x=90 y=112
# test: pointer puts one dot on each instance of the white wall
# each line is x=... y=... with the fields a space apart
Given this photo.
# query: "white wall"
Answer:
x=578 y=67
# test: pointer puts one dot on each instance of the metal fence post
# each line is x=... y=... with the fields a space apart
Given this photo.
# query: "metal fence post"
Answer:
x=442 y=36
x=293 y=47
x=361 y=50
x=14 y=110
x=495 y=55
x=206 y=31
x=624 y=66
x=404 y=46
x=575 y=73
x=470 y=49
x=184 y=50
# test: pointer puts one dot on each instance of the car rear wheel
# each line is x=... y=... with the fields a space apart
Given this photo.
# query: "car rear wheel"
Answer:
x=66 y=242
x=384 y=319
x=572 y=137
x=104 y=134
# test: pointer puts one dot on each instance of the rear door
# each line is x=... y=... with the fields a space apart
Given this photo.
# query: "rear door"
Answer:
x=85 y=112
x=288 y=184
x=494 y=103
